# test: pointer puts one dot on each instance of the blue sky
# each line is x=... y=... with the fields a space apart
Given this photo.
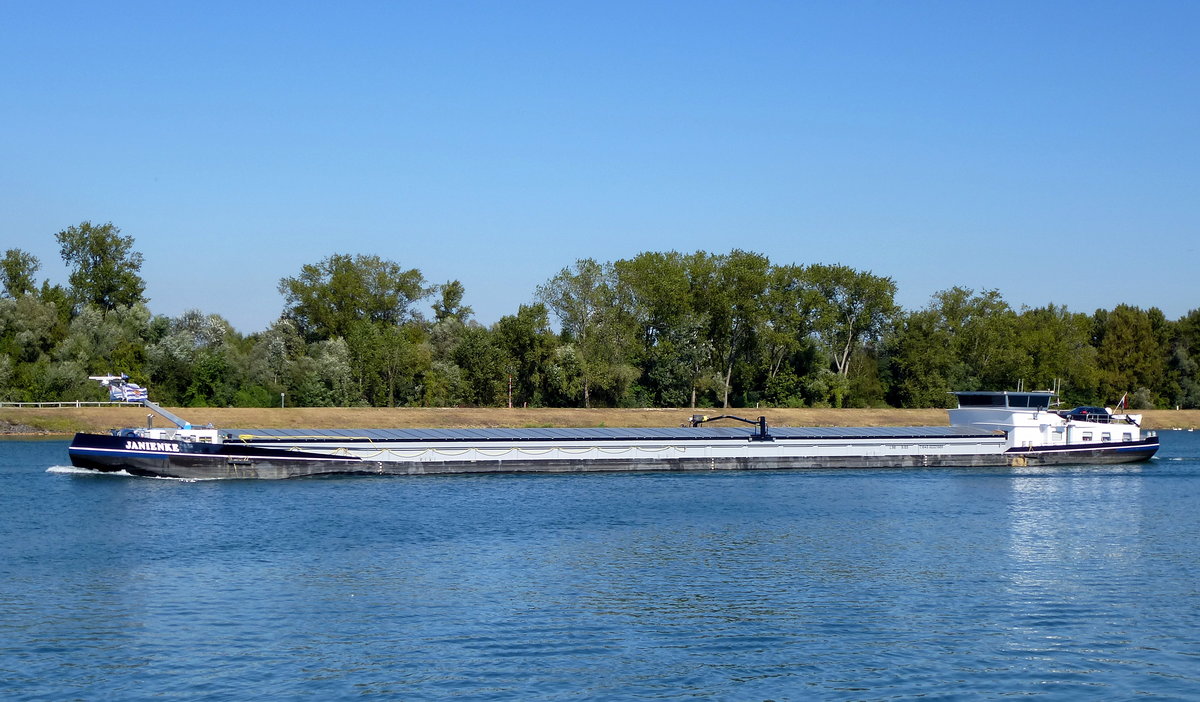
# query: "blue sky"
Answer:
x=1050 y=150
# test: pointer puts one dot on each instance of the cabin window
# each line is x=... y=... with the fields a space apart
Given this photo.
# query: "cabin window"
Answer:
x=1087 y=436
x=1028 y=400
x=1017 y=400
x=981 y=400
x=1106 y=437
x=1127 y=436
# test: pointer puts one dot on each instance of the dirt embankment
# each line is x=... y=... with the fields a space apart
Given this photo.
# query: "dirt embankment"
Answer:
x=10 y=428
x=67 y=420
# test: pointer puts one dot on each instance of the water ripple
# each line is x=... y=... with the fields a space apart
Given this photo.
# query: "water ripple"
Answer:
x=1057 y=583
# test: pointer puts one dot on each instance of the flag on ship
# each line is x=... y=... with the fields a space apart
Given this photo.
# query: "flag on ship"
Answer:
x=121 y=390
x=127 y=392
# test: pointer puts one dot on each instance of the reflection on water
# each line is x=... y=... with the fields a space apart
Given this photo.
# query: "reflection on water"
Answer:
x=1053 y=508
x=1078 y=609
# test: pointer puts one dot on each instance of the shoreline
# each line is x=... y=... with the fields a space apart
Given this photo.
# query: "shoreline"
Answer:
x=65 y=421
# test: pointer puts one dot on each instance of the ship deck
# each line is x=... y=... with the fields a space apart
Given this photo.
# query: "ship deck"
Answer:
x=597 y=434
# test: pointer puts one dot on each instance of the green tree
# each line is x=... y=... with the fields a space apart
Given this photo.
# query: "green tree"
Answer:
x=865 y=384
x=962 y=341
x=444 y=384
x=326 y=299
x=322 y=378
x=669 y=334
x=210 y=386
x=112 y=342
x=9 y=392
x=791 y=365
x=1183 y=385
x=268 y=360
x=450 y=305
x=852 y=307
x=29 y=328
x=1057 y=345
x=60 y=298
x=730 y=291
x=922 y=357
x=17 y=270
x=1131 y=352
x=104 y=266
x=251 y=375
x=983 y=334
x=1185 y=378
x=792 y=304
x=388 y=362
x=188 y=362
x=528 y=346
x=482 y=364
x=582 y=299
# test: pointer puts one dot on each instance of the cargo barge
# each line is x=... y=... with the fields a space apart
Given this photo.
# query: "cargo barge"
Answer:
x=986 y=429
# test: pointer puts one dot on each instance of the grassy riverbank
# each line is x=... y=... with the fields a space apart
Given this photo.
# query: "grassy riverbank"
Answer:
x=69 y=420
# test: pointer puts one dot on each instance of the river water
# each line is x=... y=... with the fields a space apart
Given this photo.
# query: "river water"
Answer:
x=1056 y=583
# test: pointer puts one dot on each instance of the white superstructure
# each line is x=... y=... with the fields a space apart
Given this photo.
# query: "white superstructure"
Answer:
x=1028 y=421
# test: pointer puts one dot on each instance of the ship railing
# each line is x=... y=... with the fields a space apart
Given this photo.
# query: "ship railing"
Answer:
x=1097 y=418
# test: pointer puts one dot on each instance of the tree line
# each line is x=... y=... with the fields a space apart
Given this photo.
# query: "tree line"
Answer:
x=661 y=329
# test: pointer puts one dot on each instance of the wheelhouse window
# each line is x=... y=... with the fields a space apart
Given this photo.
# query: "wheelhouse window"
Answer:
x=1031 y=401
x=988 y=400
x=1017 y=400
